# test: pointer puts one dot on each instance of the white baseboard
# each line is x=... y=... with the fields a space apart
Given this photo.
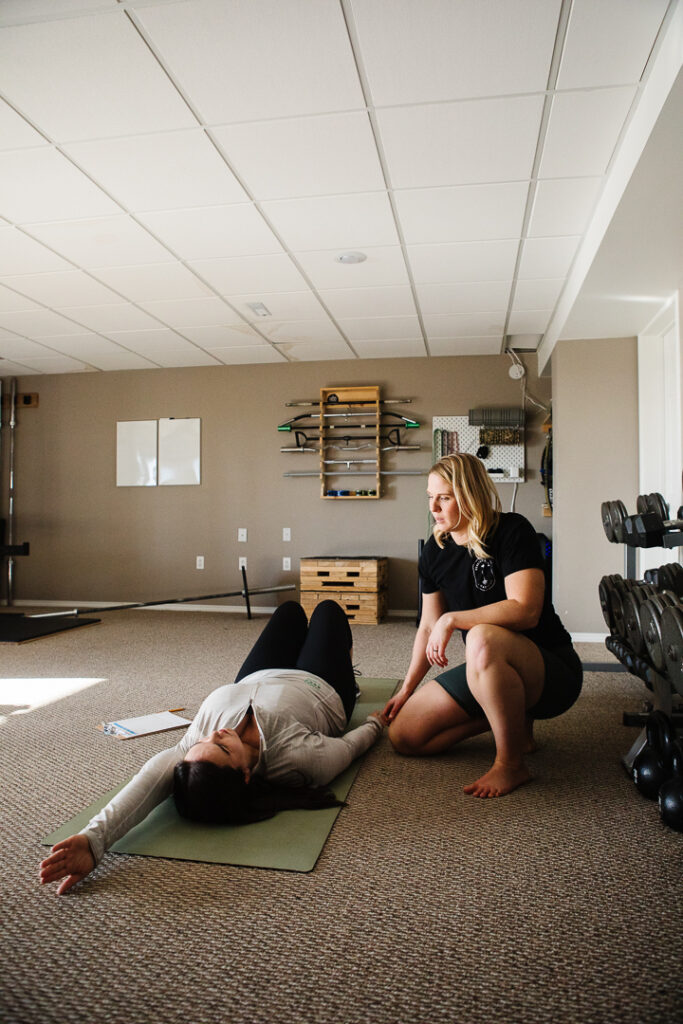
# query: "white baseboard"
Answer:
x=588 y=638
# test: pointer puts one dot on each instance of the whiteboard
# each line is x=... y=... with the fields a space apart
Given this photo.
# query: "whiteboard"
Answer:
x=179 y=452
x=136 y=453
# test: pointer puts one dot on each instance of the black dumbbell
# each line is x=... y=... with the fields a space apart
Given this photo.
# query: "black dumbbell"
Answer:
x=670 y=797
x=652 y=766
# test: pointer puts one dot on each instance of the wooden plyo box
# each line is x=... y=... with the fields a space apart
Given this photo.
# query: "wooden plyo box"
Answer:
x=357 y=584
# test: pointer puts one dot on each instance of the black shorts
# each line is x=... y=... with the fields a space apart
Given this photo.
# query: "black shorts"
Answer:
x=563 y=680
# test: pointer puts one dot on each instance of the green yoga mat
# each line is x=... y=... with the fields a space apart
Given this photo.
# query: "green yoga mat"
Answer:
x=291 y=841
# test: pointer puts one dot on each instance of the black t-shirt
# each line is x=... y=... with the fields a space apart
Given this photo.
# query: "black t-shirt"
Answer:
x=470 y=582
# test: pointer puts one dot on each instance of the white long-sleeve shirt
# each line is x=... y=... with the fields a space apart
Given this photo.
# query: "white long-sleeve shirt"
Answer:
x=300 y=719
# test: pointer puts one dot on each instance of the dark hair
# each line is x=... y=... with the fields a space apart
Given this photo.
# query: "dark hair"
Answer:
x=217 y=795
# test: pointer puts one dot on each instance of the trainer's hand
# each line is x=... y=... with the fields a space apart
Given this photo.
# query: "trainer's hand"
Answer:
x=71 y=860
x=438 y=641
x=394 y=705
x=381 y=718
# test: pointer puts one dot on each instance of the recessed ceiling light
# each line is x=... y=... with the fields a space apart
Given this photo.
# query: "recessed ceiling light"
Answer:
x=351 y=257
x=259 y=309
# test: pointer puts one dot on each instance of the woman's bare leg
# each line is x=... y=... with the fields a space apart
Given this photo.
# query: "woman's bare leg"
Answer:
x=431 y=722
x=505 y=673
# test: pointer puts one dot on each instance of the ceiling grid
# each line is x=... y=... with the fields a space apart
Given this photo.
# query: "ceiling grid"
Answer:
x=165 y=165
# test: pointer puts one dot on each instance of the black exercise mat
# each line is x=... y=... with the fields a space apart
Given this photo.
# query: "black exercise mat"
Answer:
x=17 y=629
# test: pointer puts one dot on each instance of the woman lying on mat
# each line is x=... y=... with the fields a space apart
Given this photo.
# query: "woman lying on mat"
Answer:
x=270 y=741
x=482 y=573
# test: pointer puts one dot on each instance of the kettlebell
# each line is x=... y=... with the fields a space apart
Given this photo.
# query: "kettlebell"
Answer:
x=671 y=792
x=652 y=766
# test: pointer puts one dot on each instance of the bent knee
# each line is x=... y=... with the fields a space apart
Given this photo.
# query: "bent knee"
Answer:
x=484 y=644
x=403 y=738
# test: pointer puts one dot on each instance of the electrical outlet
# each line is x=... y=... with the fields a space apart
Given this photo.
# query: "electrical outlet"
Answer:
x=287 y=564
x=200 y=561
x=242 y=535
x=286 y=533
x=243 y=563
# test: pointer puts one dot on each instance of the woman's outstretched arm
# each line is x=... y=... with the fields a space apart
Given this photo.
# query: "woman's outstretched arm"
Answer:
x=433 y=606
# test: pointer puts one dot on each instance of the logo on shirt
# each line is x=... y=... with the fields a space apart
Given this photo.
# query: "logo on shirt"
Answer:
x=484 y=573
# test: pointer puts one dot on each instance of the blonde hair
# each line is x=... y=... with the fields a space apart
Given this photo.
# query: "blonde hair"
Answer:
x=477 y=497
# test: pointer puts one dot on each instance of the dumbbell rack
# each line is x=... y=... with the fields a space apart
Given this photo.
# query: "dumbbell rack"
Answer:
x=658 y=682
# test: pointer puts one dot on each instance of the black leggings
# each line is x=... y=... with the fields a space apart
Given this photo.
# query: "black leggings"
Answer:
x=322 y=647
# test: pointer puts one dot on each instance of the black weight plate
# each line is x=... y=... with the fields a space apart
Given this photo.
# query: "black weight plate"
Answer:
x=650 y=623
x=605 y=512
x=641 y=503
x=617 y=515
x=633 y=631
x=658 y=505
x=672 y=645
x=604 y=591
x=618 y=594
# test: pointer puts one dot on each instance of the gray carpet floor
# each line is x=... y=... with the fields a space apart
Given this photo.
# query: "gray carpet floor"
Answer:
x=560 y=903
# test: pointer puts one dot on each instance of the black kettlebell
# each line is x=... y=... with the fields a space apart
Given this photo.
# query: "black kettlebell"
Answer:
x=671 y=792
x=652 y=766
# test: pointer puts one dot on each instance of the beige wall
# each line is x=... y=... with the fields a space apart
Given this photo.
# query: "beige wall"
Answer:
x=595 y=459
x=92 y=541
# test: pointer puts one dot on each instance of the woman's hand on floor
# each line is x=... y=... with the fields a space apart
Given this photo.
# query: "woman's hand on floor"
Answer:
x=71 y=860
x=394 y=705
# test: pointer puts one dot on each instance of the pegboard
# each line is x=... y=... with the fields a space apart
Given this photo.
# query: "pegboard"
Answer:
x=451 y=434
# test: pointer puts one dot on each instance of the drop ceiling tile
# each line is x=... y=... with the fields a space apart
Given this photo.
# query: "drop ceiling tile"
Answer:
x=122 y=361
x=102 y=242
x=247 y=274
x=151 y=343
x=395 y=300
x=282 y=306
x=529 y=322
x=23 y=348
x=315 y=155
x=20 y=254
x=190 y=312
x=465 y=346
x=237 y=356
x=18 y=12
x=109 y=81
x=243 y=62
x=463 y=261
x=563 y=206
x=537 y=294
x=464 y=326
x=583 y=130
x=474 y=297
x=399 y=348
x=213 y=231
x=163 y=171
x=190 y=357
x=547 y=257
x=475 y=141
x=385 y=265
x=10 y=301
x=38 y=323
x=608 y=43
x=85 y=347
x=121 y=317
x=40 y=184
x=461 y=214
x=333 y=222
x=15 y=132
x=380 y=328
x=314 y=352
x=153 y=281
x=12 y=369
x=8 y=335
x=236 y=335
x=440 y=50
x=63 y=288
x=56 y=364
x=314 y=331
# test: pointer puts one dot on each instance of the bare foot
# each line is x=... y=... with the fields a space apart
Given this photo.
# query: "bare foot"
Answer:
x=499 y=780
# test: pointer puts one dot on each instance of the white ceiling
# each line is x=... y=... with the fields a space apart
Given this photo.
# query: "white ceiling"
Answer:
x=164 y=163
